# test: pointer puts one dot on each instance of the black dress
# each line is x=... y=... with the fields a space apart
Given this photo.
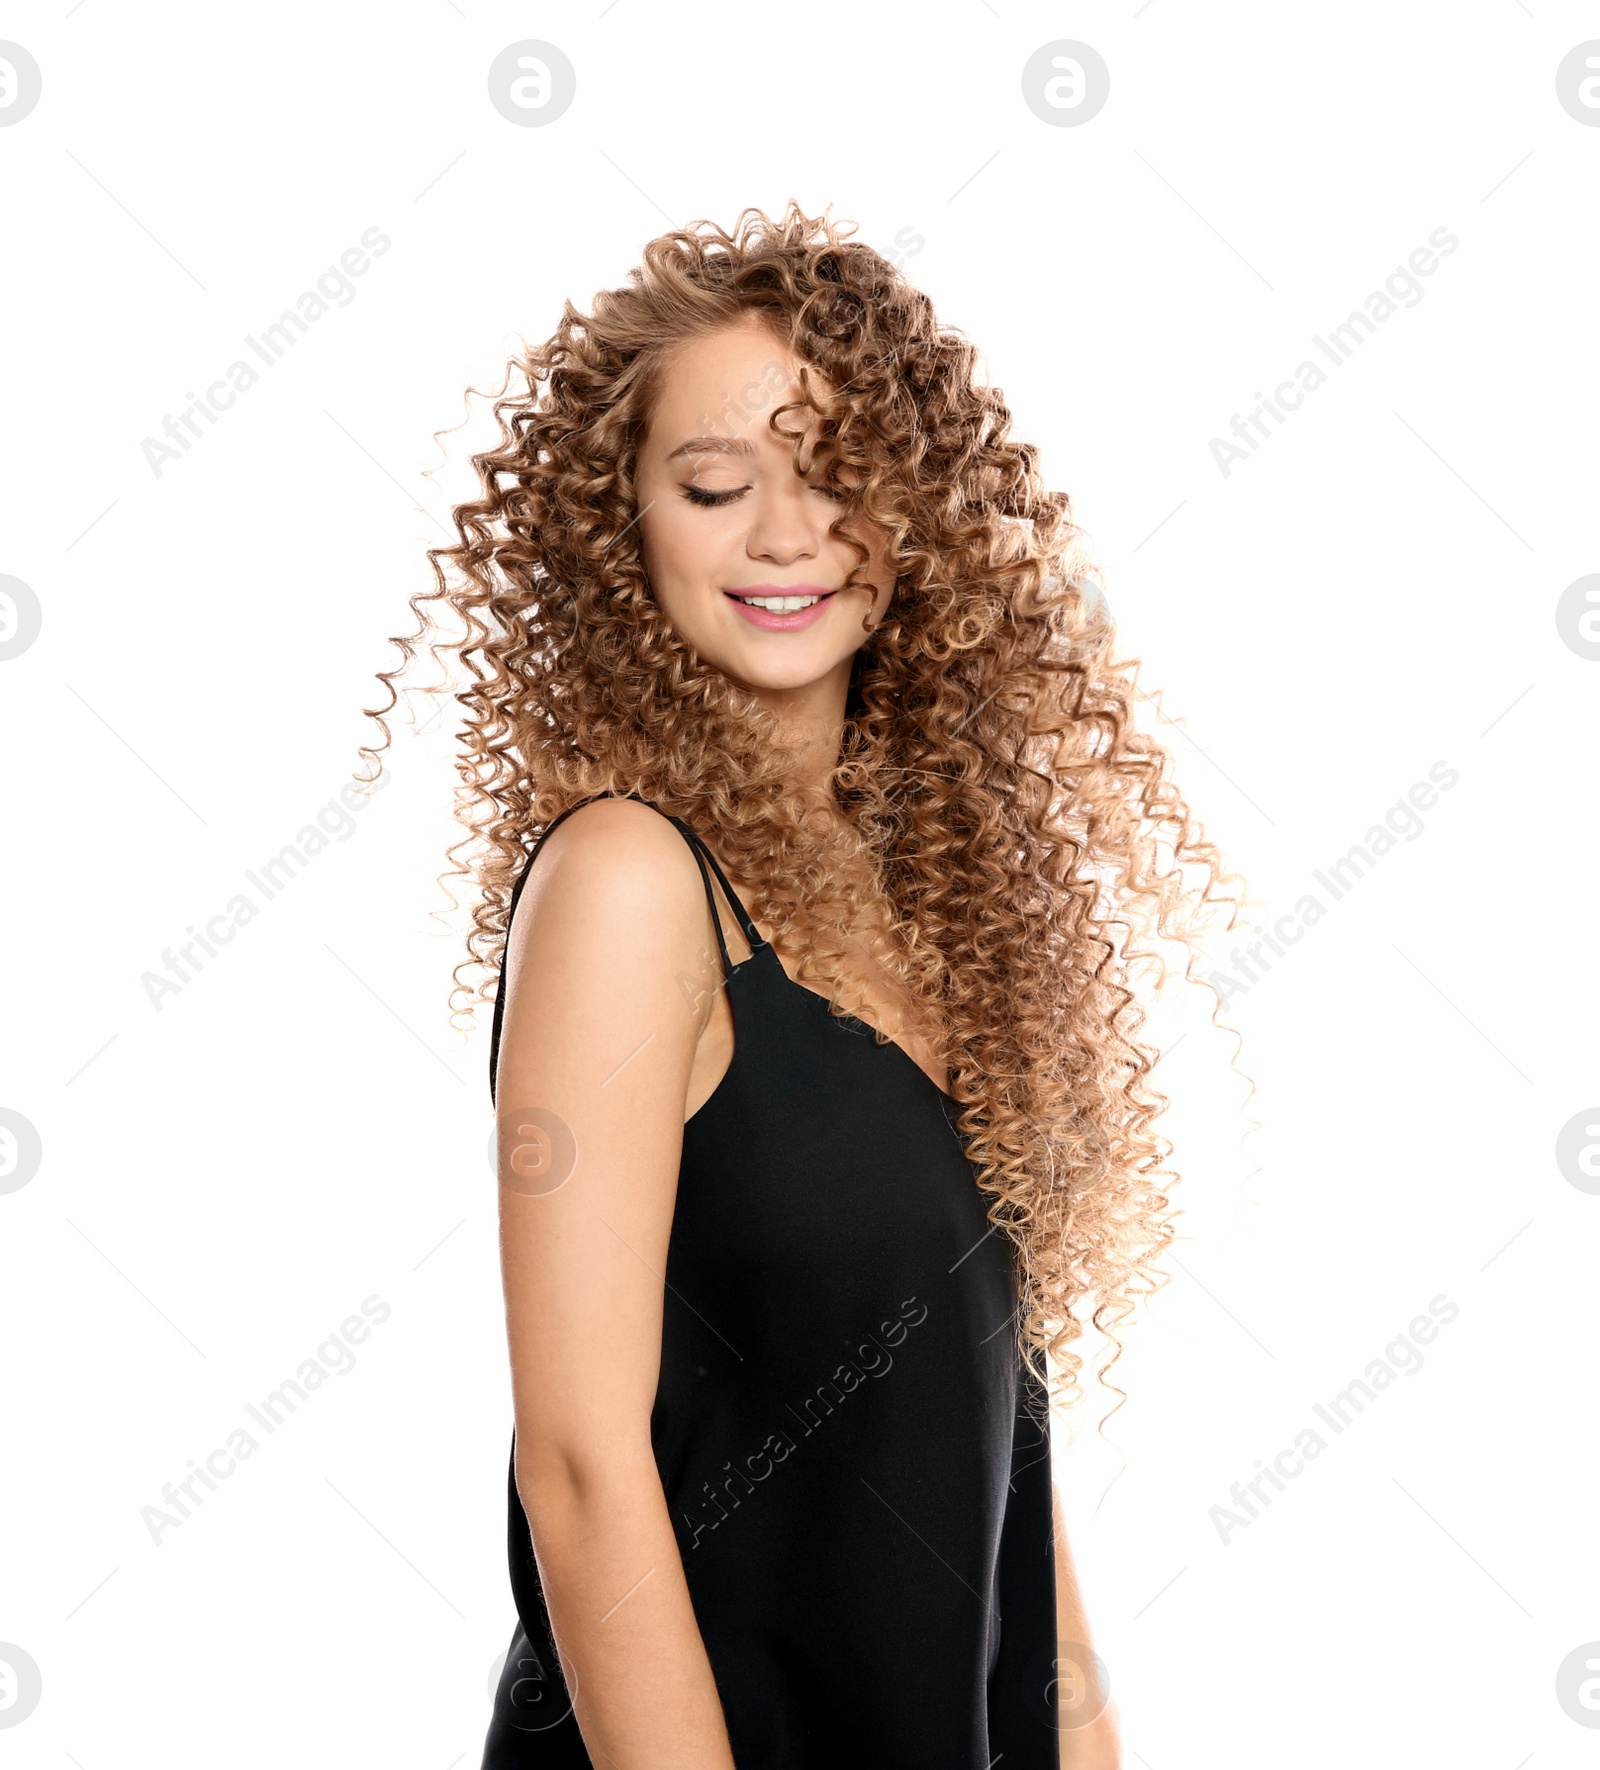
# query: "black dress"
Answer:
x=854 y=1453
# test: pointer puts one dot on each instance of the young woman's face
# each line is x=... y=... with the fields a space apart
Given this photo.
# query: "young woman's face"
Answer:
x=724 y=517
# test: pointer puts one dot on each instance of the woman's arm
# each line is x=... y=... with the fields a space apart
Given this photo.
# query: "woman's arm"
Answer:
x=1095 y=1745
x=600 y=1030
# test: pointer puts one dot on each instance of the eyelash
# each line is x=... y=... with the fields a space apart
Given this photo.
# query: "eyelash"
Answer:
x=709 y=500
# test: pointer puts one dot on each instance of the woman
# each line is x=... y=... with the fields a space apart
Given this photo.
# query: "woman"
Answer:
x=812 y=829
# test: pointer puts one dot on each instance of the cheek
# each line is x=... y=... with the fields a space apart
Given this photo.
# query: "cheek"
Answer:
x=682 y=551
x=663 y=542
x=649 y=551
x=877 y=567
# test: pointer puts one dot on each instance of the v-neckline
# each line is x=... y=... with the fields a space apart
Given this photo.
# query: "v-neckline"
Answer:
x=817 y=996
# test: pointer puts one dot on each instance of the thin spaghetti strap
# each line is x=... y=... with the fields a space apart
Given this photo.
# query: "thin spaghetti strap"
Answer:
x=703 y=854
x=711 y=904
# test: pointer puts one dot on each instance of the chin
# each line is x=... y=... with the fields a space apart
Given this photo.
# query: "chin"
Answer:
x=769 y=674
x=758 y=674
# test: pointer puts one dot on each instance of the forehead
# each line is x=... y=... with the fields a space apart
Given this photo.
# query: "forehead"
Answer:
x=724 y=384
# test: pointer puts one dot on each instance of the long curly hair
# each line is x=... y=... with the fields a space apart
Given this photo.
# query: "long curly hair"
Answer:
x=1010 y=843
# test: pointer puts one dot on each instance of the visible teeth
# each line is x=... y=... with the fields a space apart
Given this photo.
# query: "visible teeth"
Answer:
x=783 y=605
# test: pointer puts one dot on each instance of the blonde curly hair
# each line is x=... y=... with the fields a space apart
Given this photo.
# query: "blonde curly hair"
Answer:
x=1009 y=839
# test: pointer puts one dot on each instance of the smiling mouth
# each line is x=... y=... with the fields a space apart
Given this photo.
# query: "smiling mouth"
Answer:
x=783 y=605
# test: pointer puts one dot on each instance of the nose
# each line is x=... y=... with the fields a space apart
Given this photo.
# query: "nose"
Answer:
x=786 y=525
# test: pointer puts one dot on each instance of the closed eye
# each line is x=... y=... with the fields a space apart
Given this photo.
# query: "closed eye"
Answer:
x=710 y=500
x=699 y=495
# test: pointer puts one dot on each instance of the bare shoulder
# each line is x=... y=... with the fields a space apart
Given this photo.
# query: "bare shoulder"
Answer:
x=613 y=866
x=606 y=974
x=602 y=1021
x=618 y=828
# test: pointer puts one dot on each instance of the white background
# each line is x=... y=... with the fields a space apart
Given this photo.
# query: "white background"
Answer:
x=1372 y=592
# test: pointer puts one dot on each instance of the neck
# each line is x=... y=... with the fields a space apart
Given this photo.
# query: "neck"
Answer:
x=812 y=718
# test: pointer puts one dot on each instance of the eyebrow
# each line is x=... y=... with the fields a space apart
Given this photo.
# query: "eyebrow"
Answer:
x=713 y=445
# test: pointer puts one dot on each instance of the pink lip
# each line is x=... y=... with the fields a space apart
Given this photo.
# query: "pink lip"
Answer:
x=770 y=618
